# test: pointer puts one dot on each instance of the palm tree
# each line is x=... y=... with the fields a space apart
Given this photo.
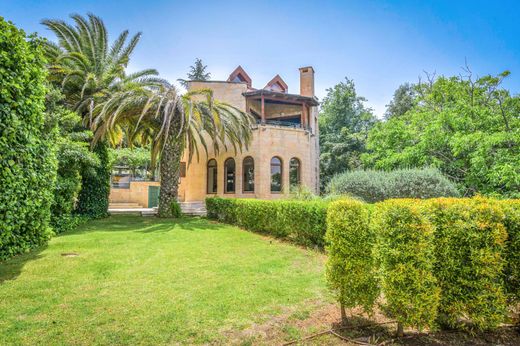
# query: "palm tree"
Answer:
x=89 y=71
x=175 y=123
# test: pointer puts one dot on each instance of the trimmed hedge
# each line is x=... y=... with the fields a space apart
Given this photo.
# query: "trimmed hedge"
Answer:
x=350 y=266
x=470 y=246
x=375 y=186
x=303 y=222
x=27 y=155
x=511 y=210
x=440 y=262
x=405 y=254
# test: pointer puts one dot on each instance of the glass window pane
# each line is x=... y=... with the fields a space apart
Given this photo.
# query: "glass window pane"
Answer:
x=276 y=175
x=294 y=172
x=229 y=167
x=249 y=175
x=212 y=176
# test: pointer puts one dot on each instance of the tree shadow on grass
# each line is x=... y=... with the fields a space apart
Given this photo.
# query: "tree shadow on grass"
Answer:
x=10 y=269
x=140 y=224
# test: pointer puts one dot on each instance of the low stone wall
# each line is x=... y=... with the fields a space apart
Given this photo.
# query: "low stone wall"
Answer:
x=136 y=193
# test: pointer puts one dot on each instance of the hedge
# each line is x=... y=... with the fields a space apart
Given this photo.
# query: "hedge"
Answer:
x=511 y=210
x=470 y=243
x=405 y=255
x=350 y=265
x=27 y=159
x=303 y=222
x=439 y=262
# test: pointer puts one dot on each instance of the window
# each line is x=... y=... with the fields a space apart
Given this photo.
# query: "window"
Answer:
x=212 y=176
x=229 y=176
x=249 y=174
x=294 y=172
x=183 y=170
x=276 y=174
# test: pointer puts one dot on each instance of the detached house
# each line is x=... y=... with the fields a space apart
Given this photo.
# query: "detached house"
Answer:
x=284 y=150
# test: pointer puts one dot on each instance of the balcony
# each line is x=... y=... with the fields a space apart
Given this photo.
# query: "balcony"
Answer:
x=281 y=123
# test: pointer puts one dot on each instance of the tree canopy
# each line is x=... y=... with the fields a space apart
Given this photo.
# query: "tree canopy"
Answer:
x=469 y=128
x=197 y=72
x=344 y=125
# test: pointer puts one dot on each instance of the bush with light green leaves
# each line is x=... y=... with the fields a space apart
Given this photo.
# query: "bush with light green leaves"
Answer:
x=405 y=253
x=470 y=239
x=351 y=270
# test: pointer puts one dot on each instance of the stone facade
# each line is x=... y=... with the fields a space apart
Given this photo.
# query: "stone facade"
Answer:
x=286 y=141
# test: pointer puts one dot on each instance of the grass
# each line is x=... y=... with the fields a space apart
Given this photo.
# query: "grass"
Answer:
x=150 y=281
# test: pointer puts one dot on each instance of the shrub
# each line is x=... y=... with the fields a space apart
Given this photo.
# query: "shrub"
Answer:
x=27 y=160
x=470 y=238
x=405 y=255
x=303 y=222
x=73 y=156
x=95 y=186
x=511 y=210
x=350 y=265
x=374 y=186
x=176 y=209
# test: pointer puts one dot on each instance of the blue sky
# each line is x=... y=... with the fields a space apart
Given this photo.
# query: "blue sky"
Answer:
x=379 y=44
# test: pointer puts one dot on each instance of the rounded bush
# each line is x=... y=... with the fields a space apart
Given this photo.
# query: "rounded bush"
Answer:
x=373 y=186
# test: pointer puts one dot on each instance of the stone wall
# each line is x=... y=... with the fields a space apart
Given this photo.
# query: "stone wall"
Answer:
x=136 y=193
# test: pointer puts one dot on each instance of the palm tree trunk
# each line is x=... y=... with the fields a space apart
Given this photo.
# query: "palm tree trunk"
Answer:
x=169 y=171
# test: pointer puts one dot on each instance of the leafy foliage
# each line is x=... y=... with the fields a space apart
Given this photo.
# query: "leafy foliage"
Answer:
x=470 y=242
x=350 y=265
x=176 y=209
x=469 y=129
x=300 y=221
x=88 y=71
x=511 y=210
x=95 y=186
x=405 y=253
x=405 y=98
x=73 y=156
x=374 y=186
x=27 y=160
x=344 y=123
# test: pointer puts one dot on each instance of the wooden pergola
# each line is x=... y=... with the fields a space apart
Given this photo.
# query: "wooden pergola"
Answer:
x=289 y=99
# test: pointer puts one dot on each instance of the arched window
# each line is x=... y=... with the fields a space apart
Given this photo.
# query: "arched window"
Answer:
x=212 y=176
x=229 y=176
x=248 y=182
x=294 y=172
x=276 y=174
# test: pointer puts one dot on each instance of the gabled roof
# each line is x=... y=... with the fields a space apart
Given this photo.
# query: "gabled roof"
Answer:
x=241 y=75
x=277 y=84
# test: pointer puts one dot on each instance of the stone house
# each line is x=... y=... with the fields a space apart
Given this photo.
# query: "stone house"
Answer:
x=283 y=153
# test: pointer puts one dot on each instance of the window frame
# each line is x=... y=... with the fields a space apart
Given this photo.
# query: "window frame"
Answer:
x=230 y=159
x=299 y=171
x=244 y=180
x=215 y=176
x=271 y=174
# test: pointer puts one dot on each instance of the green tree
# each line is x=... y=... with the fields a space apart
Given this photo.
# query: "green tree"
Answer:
x=344 y=124
x=178 y=124
x=27 y=153
x=88 y=71
x=469 y=129
x=404 y=99
x=197 y=72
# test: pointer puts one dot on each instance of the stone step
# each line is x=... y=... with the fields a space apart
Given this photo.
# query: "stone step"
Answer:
x=124 y=205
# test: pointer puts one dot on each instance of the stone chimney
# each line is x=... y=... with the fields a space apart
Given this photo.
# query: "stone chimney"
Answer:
x=307 y=81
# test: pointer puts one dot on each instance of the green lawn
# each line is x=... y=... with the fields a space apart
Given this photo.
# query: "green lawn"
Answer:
x=150 y=281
